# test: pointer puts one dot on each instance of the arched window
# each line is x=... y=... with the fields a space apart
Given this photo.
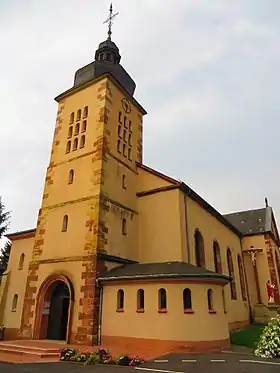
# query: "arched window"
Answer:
x=75 y=144
x=120 y=117
x=224 y=300
x=277 y=263
x=199 y=249
x=85 y=113
x=210 y=299
x=120 y=300
x=71 y=177
x=15 y=302
x=140 y=300
x=241 y=276
x=84 y=126
x=70 y=131
x=187 y=299
x=123 y=181
x=83 y=141
x=77 y=129
x=124 y=136
x=217 y=257
x=21 y=261
x=162 y=300
x=124 y=228
x=65 y=223
x=231 y=274
x=129 y=154
x=68 y=146
x=72 y=117
x=129 y=140
x=130 y=126
x=79 y=114
x=125 y=122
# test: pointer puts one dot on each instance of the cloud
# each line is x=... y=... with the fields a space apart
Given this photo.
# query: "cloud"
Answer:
x=206 y=71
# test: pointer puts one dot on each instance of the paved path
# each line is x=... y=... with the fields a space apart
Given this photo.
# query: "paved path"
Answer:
x=212 y=363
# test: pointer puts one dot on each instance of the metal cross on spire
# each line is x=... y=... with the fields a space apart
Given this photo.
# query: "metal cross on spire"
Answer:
x=109 y=20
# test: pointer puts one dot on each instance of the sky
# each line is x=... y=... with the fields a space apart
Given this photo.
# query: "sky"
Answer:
x=206 y=71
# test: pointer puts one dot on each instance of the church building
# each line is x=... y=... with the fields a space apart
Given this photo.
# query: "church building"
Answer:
x=124 y=254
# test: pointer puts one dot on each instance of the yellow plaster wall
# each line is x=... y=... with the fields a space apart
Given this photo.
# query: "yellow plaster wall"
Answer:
x=174 y=325
x=17 y=281
x=159 y=227
x=88 y=96
x=70 y=243
x=122 y=202
x=212 y=229
x=262 y=266
x=148 y=181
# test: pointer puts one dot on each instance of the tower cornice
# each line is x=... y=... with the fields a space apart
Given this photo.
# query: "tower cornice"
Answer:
x=95 y=80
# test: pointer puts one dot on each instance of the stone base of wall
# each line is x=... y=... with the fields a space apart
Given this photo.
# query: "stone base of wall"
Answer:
x=12 y=334
x=238 y=324
x=155 y=347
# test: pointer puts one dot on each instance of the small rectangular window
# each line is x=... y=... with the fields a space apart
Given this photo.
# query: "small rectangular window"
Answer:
x=124 y=150
x=130 y=126
x=119 y=146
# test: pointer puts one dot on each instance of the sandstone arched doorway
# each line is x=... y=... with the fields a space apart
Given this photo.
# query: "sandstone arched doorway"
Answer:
x=54 y=309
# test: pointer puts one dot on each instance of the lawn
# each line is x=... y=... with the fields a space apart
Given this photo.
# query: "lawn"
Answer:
x=248 y=337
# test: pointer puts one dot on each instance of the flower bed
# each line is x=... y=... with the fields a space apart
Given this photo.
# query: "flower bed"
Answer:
x=269 y=343
x=100 y=356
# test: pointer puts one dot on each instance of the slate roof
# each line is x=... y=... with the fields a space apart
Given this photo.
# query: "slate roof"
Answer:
x=252 y=221
x=159 y=270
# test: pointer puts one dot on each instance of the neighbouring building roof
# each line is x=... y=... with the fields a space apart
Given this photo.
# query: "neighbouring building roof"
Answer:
x=251 y=221
x=21 y=234
x=159 y=270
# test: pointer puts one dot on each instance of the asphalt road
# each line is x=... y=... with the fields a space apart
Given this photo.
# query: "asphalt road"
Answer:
x=214 y=363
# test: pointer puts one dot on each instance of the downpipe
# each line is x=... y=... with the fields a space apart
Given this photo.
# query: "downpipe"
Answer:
x=100 y=290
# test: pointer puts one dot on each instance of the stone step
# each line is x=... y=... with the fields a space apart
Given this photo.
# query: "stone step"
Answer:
x=16 y=353
x=28 y=348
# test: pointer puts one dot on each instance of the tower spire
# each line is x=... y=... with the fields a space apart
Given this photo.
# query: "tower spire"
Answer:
x=109 y=20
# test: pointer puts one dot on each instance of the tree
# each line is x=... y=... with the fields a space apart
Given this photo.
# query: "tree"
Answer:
x=4 y=219
x=4 y=224
x=4 y=257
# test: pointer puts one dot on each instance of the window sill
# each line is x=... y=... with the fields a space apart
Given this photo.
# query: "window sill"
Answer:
x=212 y=311
x=188 y=310
x=14 y=310
x=140 y=310
x=163 y=310
x=81 y=147
x=225 y=312
x=20 y=268
x=120 y=310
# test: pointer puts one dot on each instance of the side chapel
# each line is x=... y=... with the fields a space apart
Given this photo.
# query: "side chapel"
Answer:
x=123 y=254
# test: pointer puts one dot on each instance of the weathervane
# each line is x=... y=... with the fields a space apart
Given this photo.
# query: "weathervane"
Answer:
x=109 y=20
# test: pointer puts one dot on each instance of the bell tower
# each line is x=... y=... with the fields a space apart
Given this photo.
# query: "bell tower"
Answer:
x=88 y=219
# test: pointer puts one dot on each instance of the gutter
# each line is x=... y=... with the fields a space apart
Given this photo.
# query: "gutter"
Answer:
x=187 y=228
x=100 y=289
x=164 y=275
